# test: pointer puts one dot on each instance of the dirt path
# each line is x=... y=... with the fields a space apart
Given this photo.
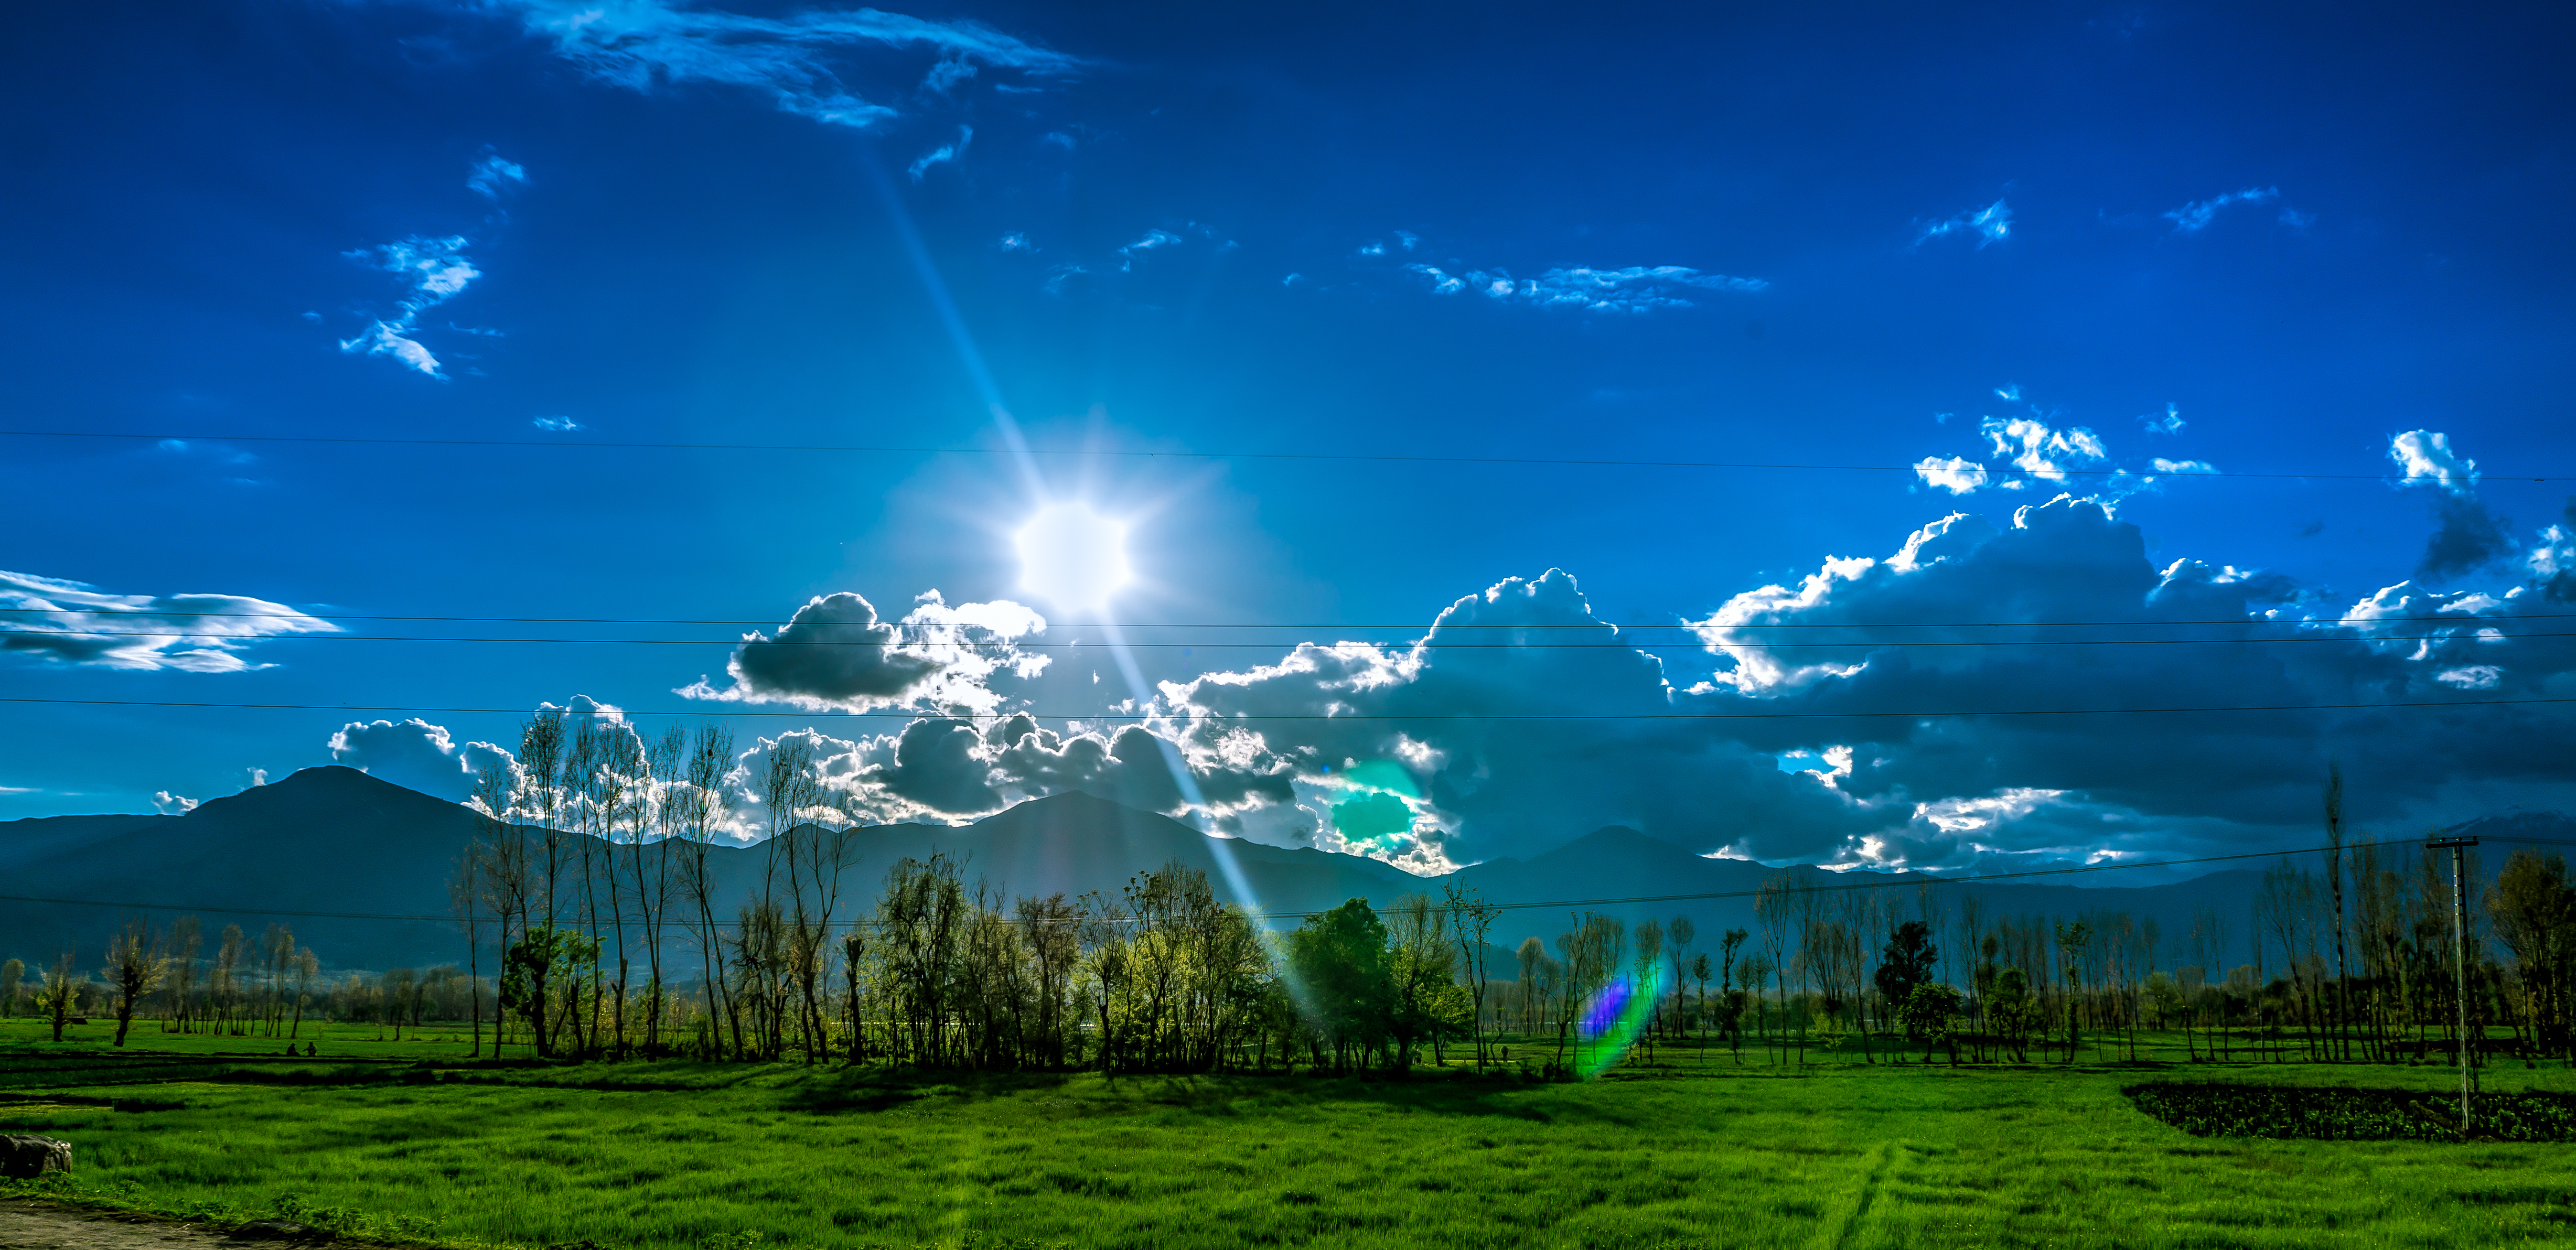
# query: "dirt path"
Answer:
x=37 y=1226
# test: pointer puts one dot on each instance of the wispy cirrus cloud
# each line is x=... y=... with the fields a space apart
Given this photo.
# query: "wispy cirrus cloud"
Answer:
x=75 y=623
x=1991 y=224
x=436 y=270
x=798 y=61
x=942 y=154
x=2194 y=217
x=1151 y=240
x=1635 y=289
x=491 y=175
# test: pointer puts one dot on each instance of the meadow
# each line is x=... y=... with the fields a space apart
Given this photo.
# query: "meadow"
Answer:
x=411 y=1142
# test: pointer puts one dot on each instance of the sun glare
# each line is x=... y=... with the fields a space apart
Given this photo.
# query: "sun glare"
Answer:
x=1073 y=557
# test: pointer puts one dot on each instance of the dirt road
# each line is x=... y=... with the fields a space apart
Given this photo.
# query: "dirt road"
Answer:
x=37 y=1226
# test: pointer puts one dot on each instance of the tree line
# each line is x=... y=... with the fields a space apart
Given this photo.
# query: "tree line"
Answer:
x=595 y=927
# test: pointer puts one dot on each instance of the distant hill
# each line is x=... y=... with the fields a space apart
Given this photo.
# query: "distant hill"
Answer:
x=335 y=840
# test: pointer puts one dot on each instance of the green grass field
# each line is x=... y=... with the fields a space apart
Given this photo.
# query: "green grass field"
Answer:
x=1672 y=1154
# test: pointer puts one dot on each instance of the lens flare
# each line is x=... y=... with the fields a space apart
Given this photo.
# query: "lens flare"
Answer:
x=1614 y=1020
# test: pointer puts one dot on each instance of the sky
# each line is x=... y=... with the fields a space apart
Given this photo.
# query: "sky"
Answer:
x=1874 y=436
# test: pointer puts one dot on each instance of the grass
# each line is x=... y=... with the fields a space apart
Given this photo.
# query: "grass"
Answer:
x=1656 y=1157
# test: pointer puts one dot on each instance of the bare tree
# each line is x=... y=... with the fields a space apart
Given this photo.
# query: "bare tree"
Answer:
x=1471 y=918
x=2334 y=886
x=59 y=994
x=134 y=967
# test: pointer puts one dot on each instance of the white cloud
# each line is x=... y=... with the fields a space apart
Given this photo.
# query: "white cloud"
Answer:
x=1957 y=474
x=491 y=174
x=416 y=754
x=436 y=270
x=2182 y=466
x=836 y=654
x=2170 y=423
x=645 y=44
x=559 y=425
x=1148 y=242
x=2194 y=217
x=75 y=623
x=1407 y=238
x=1991 y=224
x=942 y=154
x=1373 y=248
x=169 y=804
x=1017 y=242
x=2040 y=451
x=2471 y=677
x=2427 y=457
x=1636 y=289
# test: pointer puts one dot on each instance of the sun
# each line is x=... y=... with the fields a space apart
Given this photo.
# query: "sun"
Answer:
x=1073 y=557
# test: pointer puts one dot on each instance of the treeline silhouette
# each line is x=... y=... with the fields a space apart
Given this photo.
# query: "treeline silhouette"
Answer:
x=593 y=872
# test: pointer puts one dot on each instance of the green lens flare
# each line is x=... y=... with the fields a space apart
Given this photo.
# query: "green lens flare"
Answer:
x=1614 y=1020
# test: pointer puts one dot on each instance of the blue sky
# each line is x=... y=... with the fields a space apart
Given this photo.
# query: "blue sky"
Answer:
x=1968 y=263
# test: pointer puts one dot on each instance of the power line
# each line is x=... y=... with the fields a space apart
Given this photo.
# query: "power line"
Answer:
x=1887 y=882
x=1254 y=717
x=772 y=621
x=1265 y=646
x=1338 y=457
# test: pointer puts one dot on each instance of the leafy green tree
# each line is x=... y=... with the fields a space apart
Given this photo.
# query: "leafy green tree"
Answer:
x=2013 y=1011
x=546 y=958
x=1340 y=962
x=11 y=973
x=1930 y=1013
x=1906 y=963
x=2534 y=907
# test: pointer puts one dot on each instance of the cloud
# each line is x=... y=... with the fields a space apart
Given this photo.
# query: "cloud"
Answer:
x=2194 y=217
x=2466 y=537
x=2170 y=423
x=1148 y=242
x=2427 y=457
x=1017 y=242
x=169 y=804
x=69 y=622
x=796 y=61
x=1372 y=248
x=1636 y=289
x=558 y=425
x=418 y=755
x=1957 y=475
x=436 y=270
x=1407 y=239
x=1991 y=224
x=835 y=654
x=2163 y=465
x=2040 y=451
x=491 y=174
x=942 y=154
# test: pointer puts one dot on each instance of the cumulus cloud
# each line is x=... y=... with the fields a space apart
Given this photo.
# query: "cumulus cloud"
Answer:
x=797 y=61
x=418 y=755
x=169 y=804
x=942 y=154
x=1955 y=474
x=435 y=270
x=1636 y=289
x=835 y=654
x=70 y=622
x=2194 y=217
x=491 y=175
x=2466 y=534
x=2040 y=451
x=1991 y=224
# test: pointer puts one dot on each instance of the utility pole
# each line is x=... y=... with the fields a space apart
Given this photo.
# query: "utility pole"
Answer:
x=2460 y=954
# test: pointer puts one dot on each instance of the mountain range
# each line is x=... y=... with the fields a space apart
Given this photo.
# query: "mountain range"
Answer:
x=358 y=867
